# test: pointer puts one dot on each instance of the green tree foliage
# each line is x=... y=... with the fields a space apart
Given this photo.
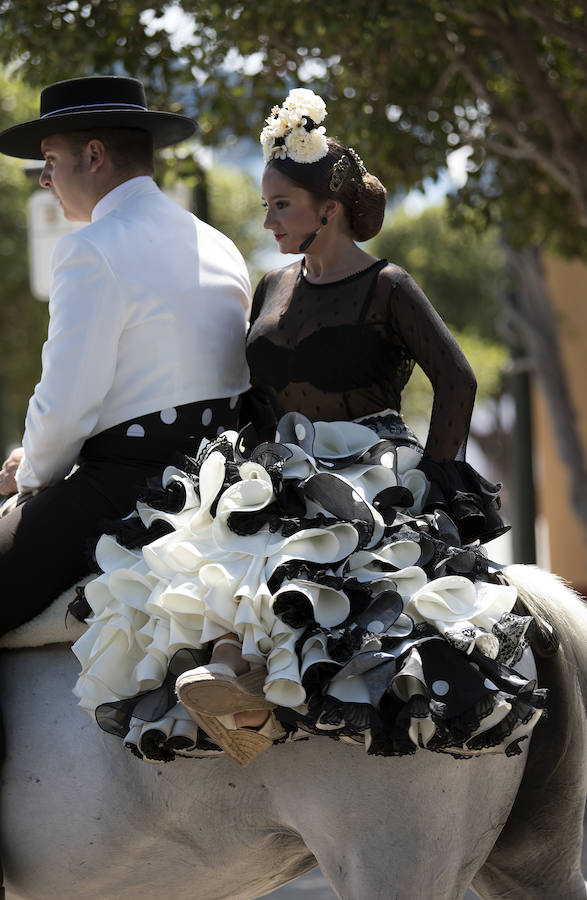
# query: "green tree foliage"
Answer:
x=236 y=210
x=55 y=40
x=463 y=274
x=23 y=320
x=462 y=271
x=409 y=81
x=406 y=82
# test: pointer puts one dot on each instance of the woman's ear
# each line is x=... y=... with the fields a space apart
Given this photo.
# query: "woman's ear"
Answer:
x=331 y=209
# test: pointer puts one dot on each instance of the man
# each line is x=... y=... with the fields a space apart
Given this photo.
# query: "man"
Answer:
x=145 y=348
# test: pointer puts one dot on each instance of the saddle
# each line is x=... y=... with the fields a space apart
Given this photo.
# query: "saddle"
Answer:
x=54 y=625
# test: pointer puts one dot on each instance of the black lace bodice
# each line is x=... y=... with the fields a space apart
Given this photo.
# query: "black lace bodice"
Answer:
x=346 y=349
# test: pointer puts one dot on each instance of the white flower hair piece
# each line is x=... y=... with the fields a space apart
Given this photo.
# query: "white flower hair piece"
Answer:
x=293 y=130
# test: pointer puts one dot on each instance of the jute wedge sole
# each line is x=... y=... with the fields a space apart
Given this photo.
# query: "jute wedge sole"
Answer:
x=218 y=693
x=241 y=744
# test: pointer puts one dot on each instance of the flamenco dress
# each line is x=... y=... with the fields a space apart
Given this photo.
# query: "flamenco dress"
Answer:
x=347 y=558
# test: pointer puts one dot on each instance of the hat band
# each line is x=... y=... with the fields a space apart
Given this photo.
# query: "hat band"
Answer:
x=102 y=106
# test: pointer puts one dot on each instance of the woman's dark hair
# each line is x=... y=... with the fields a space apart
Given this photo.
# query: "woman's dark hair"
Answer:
x=362 y=195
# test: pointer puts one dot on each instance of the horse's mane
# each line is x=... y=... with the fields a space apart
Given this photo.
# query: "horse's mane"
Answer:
x=542 y=835
x=551 y=598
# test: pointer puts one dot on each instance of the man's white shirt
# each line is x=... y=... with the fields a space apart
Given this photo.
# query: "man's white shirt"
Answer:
x=148 y=311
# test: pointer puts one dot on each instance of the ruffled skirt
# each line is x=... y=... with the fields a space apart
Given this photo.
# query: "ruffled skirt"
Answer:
x=375 y=624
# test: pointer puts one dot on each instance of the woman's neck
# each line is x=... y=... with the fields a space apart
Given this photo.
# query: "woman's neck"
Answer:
x=336 y=262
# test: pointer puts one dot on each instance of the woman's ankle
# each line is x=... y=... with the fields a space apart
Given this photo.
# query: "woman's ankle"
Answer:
x=251 y=718
x=231 y=656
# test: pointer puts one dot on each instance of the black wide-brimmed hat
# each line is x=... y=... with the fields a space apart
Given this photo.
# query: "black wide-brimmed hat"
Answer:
x=79 y=104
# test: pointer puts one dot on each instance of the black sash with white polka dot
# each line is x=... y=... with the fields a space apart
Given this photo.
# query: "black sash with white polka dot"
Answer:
x=155 y=436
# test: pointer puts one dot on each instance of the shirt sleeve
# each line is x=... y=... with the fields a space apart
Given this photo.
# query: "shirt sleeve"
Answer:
x=430 y=343
x=78 y=362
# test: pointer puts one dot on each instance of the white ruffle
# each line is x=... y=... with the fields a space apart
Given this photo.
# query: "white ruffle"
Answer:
x=455 y=601
x=203 y=580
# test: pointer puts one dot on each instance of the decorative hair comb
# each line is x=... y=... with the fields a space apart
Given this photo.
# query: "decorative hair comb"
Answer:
x=358 y=160
x=340 y=171
x=342 y=167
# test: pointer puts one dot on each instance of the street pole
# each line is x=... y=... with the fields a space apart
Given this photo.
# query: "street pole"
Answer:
x=523 y=495
x=3 y=453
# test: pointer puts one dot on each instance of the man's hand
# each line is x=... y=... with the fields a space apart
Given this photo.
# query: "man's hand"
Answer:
x=7 y=479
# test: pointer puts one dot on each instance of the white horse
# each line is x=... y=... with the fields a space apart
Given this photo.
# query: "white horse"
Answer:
x=83 y=820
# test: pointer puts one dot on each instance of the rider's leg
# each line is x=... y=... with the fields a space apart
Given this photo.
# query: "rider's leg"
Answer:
x=46 y=543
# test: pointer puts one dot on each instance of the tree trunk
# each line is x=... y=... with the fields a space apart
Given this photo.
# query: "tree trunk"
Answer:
x=532 y=319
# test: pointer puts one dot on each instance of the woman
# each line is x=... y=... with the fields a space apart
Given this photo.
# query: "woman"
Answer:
x=334 y=569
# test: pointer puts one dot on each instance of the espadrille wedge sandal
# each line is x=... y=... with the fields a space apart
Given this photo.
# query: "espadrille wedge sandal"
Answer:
x=241 y=744
x=214 y=689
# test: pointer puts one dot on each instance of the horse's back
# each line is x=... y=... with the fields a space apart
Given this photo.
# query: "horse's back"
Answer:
x=82 y=818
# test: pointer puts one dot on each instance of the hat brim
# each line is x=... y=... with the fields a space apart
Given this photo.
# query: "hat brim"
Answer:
x=24 y=141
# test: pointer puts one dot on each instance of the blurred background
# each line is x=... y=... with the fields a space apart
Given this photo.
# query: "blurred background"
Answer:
x=473 y=114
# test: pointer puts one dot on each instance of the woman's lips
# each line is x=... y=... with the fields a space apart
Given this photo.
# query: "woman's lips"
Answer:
x=278 y=236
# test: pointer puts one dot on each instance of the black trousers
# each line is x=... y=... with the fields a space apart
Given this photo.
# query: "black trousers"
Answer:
x=47 y=542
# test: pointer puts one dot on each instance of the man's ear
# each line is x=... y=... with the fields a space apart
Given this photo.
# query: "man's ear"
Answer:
x=96 y=154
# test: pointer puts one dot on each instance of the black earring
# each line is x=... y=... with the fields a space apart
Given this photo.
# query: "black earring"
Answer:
x=305 y=244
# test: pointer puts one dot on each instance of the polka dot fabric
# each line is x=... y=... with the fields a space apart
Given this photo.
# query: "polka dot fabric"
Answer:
x=372 y=622
x=167 y=431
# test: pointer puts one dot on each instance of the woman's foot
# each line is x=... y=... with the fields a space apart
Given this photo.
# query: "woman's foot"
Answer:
x=241 y=744
x=226 y=686
x=226 y=699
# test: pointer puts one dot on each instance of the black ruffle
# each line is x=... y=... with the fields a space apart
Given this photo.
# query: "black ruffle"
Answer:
x=385 y=724
x=151 y=706
x=133 y=534
x=472 y=502
x=377 y=641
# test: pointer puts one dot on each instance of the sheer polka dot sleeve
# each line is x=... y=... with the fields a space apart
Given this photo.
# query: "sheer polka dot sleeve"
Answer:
x=415 y=322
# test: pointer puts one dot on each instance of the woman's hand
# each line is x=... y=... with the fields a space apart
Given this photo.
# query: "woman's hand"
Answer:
x=8 y=471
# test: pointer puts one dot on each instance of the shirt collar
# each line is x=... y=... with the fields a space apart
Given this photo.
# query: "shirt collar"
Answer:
x=118 y=194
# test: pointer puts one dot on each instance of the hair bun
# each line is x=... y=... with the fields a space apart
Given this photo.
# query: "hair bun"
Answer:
x=368 y=209
x=340 y=174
